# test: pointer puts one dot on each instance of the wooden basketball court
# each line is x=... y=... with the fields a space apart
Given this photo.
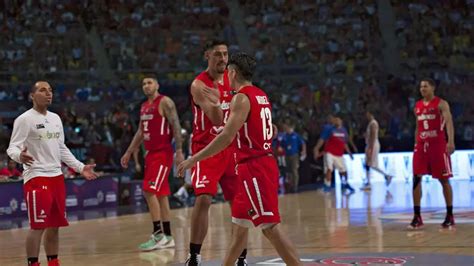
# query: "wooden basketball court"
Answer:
x=317 y=223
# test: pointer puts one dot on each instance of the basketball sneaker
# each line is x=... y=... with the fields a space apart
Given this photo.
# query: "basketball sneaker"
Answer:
x=193 y=260
x=448 y=222
x=241 y=262
x=416 y=223
x=348 y=188
x=53 y=262
x=153 y=243
x=366 y=187
x=166 y=242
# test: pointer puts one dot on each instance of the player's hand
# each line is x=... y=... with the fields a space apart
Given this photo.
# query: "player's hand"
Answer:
x=213 y=95
x=125 y=159
x=179 y=157
x=138 y=168
x=25 y=158
x=303 y=156
x=88 y=172
x=450 y=148
x=183 y=166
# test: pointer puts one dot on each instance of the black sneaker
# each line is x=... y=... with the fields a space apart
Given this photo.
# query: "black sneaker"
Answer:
x=348 y=187
x=448 y=222
x=193 y=260
x=241 y=262
x=416 y=223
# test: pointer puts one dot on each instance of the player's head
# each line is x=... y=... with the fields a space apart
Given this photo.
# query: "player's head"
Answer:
x=150 y=85
x=338 y=121
x=217 y=55
x=427 y=87
x=11 y=164
x=289 y=126
x=241 y=67
x=369 y=114
x=41 y=94
x=331 y=119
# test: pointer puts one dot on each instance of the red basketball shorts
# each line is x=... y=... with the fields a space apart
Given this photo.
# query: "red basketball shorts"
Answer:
x=256 y=201
x=218 y=169
x=158 y=165
x=46 y=202
x=432 y=158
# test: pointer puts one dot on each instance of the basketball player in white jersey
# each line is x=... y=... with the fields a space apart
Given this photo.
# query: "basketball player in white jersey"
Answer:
x=372 y=150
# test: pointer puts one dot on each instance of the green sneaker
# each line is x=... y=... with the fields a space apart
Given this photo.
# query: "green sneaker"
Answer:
x=166 y=242
x=152 y=243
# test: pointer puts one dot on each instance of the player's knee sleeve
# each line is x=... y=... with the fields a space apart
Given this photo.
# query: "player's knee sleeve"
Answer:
x=416 y=181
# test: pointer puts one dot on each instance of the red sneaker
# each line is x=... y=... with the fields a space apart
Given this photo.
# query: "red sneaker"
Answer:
x=35 y=264
x=416 y=223
x=53 y=262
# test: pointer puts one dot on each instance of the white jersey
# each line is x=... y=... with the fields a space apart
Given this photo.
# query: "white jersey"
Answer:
x=43 y=136
x=374 y=123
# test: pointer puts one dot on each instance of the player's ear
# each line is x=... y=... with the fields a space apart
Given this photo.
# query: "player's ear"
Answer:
x=206 y=55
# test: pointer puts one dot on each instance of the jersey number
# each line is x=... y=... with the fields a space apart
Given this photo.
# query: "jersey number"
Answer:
x=426 y=125
x=266 y=116
x=145 y=125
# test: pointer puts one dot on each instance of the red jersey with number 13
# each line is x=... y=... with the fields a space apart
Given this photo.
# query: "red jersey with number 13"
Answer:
x=431 y=124
x=254 y=139
x=203 y=130
x=157 y=134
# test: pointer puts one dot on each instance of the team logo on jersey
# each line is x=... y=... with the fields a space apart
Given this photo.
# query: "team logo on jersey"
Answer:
x=49 y=135
x=39 y=126
x=251 y=212
x=262 y=99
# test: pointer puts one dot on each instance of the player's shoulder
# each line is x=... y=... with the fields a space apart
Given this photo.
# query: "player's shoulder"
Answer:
x=27 y=115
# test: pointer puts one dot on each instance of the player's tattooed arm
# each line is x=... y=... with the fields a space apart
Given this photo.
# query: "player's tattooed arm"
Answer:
x=448 y=118
x=171 y=115
x=212 y=109
x=169 y=110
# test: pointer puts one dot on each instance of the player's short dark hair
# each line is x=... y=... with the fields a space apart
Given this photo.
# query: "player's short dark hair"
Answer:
x=213 y=43
x=150 y=76
x=430 y=81
x=244 y=64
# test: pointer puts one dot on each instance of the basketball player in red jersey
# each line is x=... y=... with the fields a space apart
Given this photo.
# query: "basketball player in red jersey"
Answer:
x=209 y=118
x=432 y=151
x=256 y=200
x=159 y=123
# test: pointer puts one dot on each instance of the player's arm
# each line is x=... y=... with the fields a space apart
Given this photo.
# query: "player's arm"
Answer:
x=211 y=109
x=416 y=127
x=171 y=115
x=136 y=141
x=317 y=148
x=70 y=160
x=239 y=110
x=16 y=149
x=448 y=118
x=303 y=149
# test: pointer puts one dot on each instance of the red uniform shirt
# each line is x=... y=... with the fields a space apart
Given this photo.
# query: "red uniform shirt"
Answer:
x=203 y=130
x=431 y=125
x=254 y=139
x=157 y=134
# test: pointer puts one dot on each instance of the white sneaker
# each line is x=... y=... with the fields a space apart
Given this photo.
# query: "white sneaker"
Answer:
x=366 y=187
x=193 y=260
x=153 y=243
x=166 y=242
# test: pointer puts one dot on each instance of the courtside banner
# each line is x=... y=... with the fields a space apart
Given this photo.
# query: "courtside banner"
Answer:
x=399 y=165
x=80 y=195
